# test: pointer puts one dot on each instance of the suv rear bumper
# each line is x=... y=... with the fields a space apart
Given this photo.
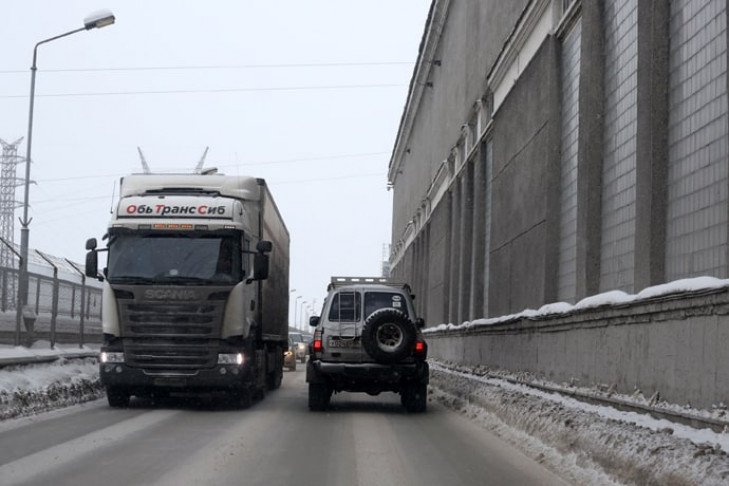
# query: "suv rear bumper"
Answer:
x=366 y=376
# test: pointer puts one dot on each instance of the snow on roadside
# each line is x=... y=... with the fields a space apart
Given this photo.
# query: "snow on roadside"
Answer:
x=31 y=389
x=584 y=443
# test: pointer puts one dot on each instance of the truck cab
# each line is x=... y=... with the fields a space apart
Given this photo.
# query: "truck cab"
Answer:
x=188 y=303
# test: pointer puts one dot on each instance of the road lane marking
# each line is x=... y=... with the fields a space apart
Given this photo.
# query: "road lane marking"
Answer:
x=42 y=462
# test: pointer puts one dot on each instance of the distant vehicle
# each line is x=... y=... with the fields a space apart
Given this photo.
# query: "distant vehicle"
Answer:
x=300 y=347
x=368 y=339
x=290 y=356
x=192 y=300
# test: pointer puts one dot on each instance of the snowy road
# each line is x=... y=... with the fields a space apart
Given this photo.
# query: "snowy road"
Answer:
x=362 y=440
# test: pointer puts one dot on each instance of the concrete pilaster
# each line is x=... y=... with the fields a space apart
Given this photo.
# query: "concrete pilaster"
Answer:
x=478 y=236
x=589 y=171
x=651 y=142
x=454 y=264
x=466 y=243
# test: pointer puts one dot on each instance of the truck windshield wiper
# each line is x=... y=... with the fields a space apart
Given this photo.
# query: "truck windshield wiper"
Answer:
x=178 y=279
x=132 y=279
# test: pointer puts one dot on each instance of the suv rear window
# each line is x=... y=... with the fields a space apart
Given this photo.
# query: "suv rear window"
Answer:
x=346 y=307
x=380 y=300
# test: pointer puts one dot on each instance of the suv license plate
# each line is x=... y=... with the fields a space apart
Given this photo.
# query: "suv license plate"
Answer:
x=343 y=343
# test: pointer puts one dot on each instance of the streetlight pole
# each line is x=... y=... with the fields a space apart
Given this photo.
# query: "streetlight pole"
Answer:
x=301 y=312
x=94 y=21
x=296 y=303
x=289 y=309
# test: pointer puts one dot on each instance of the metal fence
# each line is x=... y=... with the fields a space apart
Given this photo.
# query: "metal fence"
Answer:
x=63 y=305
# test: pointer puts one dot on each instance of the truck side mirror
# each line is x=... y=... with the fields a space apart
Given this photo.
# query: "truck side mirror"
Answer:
x=264 y=246
x=420 y=323
x=314 y=321
x=91 y=244
x=260 y=266
x=92 y=262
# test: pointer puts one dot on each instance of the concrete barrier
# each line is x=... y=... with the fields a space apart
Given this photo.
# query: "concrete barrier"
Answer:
x=676 y=345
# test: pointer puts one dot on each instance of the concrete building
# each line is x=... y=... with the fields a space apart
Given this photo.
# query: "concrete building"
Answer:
x=550 y=150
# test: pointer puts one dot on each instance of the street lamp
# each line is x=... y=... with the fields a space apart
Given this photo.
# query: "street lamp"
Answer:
x=96 y=20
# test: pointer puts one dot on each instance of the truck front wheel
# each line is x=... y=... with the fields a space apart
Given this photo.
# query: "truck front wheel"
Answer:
x=274 y=368
x=241 y=398
x=117 y=397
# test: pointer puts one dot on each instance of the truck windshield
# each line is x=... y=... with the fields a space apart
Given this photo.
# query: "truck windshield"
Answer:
x=175 y=258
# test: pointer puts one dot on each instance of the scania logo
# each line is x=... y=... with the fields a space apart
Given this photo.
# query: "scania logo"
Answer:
x=170 y=294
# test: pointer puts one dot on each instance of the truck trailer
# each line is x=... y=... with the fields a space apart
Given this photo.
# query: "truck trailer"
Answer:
x=195 y=289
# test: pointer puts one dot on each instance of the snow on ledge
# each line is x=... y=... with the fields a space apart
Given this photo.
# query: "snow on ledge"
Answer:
x=613 y=297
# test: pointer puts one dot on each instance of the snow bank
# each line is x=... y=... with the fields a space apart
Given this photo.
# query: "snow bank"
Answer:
x=30 y=389
x=586 y=444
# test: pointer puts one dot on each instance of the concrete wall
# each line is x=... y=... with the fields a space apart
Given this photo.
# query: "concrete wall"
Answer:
x=671 y=345
x=552 y=150
x=525 y=184
x=473 y=33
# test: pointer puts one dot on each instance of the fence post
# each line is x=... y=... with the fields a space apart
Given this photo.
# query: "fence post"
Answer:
x=54 y=302
x=73 y=301
x=4 y=295
x=18 y=309
x=37 y=294
x=83 y=295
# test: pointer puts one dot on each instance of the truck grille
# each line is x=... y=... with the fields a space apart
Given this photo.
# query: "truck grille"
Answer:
x=171 y=336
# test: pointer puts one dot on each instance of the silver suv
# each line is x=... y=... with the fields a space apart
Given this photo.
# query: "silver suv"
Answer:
x=368 y=339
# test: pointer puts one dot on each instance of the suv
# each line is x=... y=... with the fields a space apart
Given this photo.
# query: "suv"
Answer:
x=368 y=339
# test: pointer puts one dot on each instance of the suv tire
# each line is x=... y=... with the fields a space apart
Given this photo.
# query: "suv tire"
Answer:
x=414 y=397
x=319 y=397
x=388 y=336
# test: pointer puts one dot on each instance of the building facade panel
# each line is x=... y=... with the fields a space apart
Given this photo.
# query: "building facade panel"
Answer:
x=558 y=149
x=698 y=147
x=570 y=82
x=620 y=128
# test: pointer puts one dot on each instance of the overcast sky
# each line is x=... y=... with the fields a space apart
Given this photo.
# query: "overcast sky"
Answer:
x=306 y=94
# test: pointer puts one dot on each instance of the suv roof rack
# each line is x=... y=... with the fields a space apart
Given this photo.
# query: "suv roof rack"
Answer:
x=341 y=281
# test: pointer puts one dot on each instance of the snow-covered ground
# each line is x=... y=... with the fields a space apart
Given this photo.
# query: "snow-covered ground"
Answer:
x=33 y=388
x=584 y=443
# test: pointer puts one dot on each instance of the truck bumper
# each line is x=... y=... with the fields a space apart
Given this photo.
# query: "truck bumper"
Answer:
x=139 y=381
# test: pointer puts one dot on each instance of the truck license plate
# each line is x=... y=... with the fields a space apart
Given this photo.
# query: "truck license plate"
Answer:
x=170 y=381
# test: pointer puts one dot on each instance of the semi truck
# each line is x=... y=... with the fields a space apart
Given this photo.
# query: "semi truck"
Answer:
x=195 y=288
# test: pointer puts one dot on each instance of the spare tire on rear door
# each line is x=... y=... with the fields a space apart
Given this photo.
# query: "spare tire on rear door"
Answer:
x=388 y=335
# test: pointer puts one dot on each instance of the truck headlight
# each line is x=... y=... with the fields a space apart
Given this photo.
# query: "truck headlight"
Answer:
x=109 y=357
x=231 y=359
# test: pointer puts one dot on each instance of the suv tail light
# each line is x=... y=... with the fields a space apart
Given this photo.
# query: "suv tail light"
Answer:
x=316 y=344
x=421 y=349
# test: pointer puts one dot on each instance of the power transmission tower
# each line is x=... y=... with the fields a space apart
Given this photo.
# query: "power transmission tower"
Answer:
x=8 y=182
